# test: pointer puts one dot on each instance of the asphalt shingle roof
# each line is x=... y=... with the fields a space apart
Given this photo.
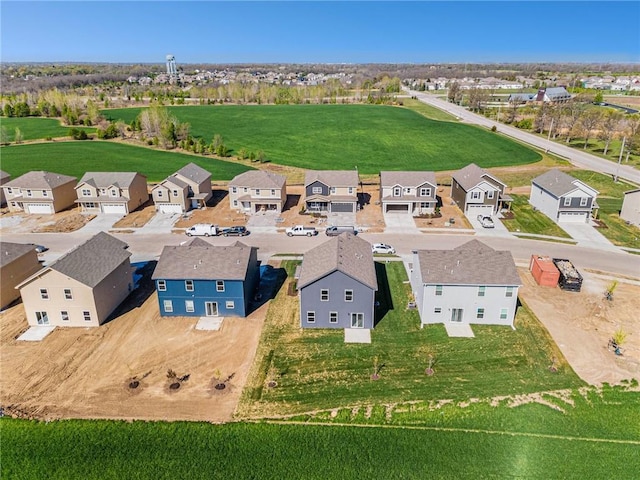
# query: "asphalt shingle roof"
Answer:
x=556 y=182
x=106 y=179
x=40 y=180
x=407 y=179
x=194 y=173
x=333 y=178
x=470 y=176
x=258 y=179
x=11 y=251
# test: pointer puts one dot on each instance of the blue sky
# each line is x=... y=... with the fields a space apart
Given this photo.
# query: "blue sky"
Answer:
x=320 y=32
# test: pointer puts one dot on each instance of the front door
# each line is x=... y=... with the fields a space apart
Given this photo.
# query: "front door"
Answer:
x=357 y=320
x=42 y=318
x=212 y=309
x=456 y=314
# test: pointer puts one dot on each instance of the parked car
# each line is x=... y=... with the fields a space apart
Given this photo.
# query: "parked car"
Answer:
x=235 y=231
x=301 y=230
x=486 y=222
x=205 y=229
x=382 y=248
x=40 y=248
x=338 y=229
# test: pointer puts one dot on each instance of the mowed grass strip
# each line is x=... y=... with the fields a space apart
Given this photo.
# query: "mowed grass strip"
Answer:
x=77 y=158
x=527 y=220
x=34 y=128
x=315 y=369
x=367 y=137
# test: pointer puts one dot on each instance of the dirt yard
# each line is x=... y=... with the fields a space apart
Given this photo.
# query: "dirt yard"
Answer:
x=87 y=372
x=138 y=218
x=61 y=222
x=449 y=210
x=217 y=212
x=582 y=323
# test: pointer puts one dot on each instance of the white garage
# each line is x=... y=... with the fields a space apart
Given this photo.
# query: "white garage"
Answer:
x=573 y=217
x=170 y=208
x=39 y=208
x=474 y=210
x=114 y=208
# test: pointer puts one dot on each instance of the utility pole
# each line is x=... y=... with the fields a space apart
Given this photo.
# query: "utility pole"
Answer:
x=615 y=179
x=550 y=128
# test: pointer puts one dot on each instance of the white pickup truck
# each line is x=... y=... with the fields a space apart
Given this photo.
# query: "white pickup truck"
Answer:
x=301 y=230
x=205 y=229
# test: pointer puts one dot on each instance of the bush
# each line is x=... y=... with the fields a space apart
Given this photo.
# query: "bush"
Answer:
x=494 y=129
x=78 y=134
x=524 y=124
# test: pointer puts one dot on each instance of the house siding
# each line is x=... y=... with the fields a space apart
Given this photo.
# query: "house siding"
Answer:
x=544 y=201
x=631 y=208
x=203 y=291
x=336 y=282
x=14 y=273
x=309 y=189
x=113 y=290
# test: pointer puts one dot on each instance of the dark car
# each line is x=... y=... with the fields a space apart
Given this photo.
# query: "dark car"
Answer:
x=40 y=248
x=235 y=231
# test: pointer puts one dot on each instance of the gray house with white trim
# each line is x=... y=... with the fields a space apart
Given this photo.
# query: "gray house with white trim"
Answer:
x=412 y=193
x=477 y=192
x=471 y=284
x=331 y=190
x=337 y=284
x=563 y=198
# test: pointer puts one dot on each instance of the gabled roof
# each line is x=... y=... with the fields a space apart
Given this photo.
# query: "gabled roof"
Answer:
x=472 y=263
x=174 y=181
x=40 y=180
x=199 y=260
x=407 y=179
x=471 y=175
x=258 y=179
x=559 y=183
x=4 y=176
x=108 y=179
x=12 y=251
x=91 y=262
x=194 y=173
x=345 y=253
x=332 y=178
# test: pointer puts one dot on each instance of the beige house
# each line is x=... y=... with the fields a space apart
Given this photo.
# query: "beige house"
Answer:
x=40 y=192
x=4 y=178
x=631 y=207
x=18 y=261
x=331 y=191
x=258 y=191
x=111 y=192
x=81 y=288
x=412 y=193
x=189 y=187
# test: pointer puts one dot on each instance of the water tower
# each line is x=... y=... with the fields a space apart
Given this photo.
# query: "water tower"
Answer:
x=172 y=70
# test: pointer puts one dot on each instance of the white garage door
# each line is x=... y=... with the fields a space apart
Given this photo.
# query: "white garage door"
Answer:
x=170 y=208
x=39 y=208
x=474 y=210
x=114 y=208
x=573 y=217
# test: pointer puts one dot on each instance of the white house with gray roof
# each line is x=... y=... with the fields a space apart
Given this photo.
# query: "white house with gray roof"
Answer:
x=471 y=284
x=111 y=192
x=257 y=191
x=82 y=288
x=189 y=187
x=412 y=193
x=337 y=284
x=331 y=191
x=40 y=192
x=562 y=197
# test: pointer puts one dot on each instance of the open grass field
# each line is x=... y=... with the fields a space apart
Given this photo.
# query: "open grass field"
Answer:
x=369 y=137
x=427 y=110
x=315 y=369
x=76 y=158
x=596 y=437
x=526 y=220
x=34 y=128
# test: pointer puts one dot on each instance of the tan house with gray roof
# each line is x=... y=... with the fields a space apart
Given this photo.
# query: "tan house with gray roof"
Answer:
x=470 y=284
x=189 y=187
x=257 y=191
x=477 y=192
x=338 y=284
x=412 y=193
x=40 y=192
x=331 y=191
x=111 y=192
x=18 y=261
x=82 y=288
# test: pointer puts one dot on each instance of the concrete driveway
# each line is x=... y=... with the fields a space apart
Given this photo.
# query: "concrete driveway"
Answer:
x=343 y=218
x=499 y=230
x=160 y=223
x=400 y=223
x=103 y=222
x=588 y=236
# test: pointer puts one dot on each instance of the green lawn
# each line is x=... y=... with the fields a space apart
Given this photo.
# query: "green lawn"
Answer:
x=427 y=110
x=596 y=437
x=315 y=369
x=368 y=137
x=526 y=220
x=33 y=128
x=76 y=158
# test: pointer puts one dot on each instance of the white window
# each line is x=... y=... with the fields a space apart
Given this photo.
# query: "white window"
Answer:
x=324 y=295
x=29 y=194
x=175 y=193
x=86 y=315
x=333 y=190
x=234 y=189
x=424 y=204
x=475 y=195
x=114 y=192
x=64 y=316
x=481 y=291
x=438 y=290
x=9 y=190
x=189 y=306
x=219 y=285
x=397 y=191
x=583 y=201
x=103 y=191
x=230 y=304
x=480 y=313
x=162 y=285
x=567 y=201
x=159 y=193
x=503 y=314
x=273 y=193
x=348 y=295
x=311 y=317
x=168 y=305
x=407 y=190
x=68 y=295
x=44 y=294
x=350 y=190
x=509 y=292
x=235 y=203
x=42 y=318
x=317 y=190
x=188 y=285
x=425 y=192
x=437 y=310
x=45 y=193
x=333 y=317
x=490 y=194
x=257 y=191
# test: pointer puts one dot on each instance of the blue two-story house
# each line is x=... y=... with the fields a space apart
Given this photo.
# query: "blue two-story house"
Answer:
x=201 y=280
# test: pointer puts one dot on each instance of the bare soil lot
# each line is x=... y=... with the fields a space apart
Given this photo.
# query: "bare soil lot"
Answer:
x=61 y=222
x=138 y=218
x=217 y=212
x=448 y=210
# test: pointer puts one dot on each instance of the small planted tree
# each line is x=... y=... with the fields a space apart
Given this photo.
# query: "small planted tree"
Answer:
x=376 y=368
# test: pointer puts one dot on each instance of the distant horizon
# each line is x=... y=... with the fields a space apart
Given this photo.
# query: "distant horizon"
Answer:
x=330 y=32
